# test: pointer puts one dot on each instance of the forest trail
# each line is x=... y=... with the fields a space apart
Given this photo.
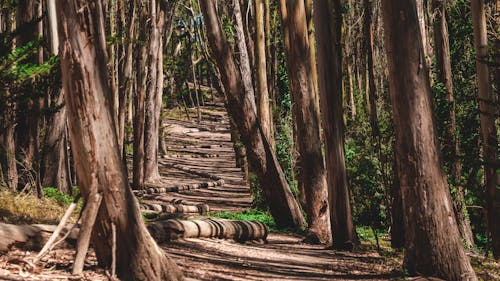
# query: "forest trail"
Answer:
x=207 y=147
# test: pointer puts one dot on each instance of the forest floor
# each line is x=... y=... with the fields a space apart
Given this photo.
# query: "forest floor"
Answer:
x=207 y=147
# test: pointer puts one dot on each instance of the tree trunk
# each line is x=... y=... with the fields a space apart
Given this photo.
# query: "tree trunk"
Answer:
x=488 y=112
x=451 y=148
x=54 y=165
x=397 y=216
x=328 y=22
x=27 y=134
x=153 y=91
x=139 y=112
x=8 y=145
x=97 y=158
x=282 y=204
x=125 y=68
x=432 y=241
x=262 y=93
x=244 y=60
x=372 y=89
x=311 y=167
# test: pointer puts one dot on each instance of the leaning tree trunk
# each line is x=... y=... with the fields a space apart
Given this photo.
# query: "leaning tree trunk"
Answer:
x=282 y=204
x=451 y=148
x=97 y=158
x=312 y=173
x=328 y=22
x=432 y=240
x=488 y=112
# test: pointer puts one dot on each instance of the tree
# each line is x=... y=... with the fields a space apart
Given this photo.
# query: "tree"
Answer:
x=328 y=22
x=263 y=109
x=312 y=174
x=451 y=148
x=55 y=165
x=488 y=128
x=98 y=162
x=29 y=24
x=154 y=90
x=432 y=241
x=282 y=204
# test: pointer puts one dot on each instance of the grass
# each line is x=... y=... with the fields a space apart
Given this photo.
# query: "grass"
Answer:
x=249 y=215
x=18 y=208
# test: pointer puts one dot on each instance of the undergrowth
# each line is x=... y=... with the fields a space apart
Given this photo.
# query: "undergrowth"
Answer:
x=18 y=208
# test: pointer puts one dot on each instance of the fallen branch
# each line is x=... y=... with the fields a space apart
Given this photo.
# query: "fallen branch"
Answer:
x=50 y=243
x=240 y=231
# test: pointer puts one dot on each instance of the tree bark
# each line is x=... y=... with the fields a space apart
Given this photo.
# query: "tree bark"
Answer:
x=139 y=98
x=27 y=131
x=328 y=22
x=488 y=112
x=97 y=158
x=125 y=68
x=451 y=148
x=54 y=166
x=262 y=93
x=432 y=241
x=282 y=204
x=372 y=89
x=311 y=167
x=153 y=91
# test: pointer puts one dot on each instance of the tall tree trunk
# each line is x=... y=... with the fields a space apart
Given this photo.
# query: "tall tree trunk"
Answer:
x=262 y=93
x=488 y=112
x=139 y=98
x=97 y=158
x=8 y=144
x=312 y=174
x=282 y=204
x=125 y=77
x=54 y=165
x=28 y=11
x=153 y=92
x=328 y=22
x=451 y=145
x=397 y=216
x=432 y=241
x=8 y=117
x=372 y=89
x=244 y=60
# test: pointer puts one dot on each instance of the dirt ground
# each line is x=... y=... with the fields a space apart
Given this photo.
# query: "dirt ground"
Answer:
x=207 y=147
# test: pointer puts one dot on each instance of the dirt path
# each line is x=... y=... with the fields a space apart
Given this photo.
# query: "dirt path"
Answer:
x=207 y=147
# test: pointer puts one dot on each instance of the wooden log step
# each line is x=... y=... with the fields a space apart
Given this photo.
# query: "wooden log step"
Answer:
x=207 y=155
x=154 y=189
x=240 y=231
x=194 y=171
x=170 y=208
x=207 y=146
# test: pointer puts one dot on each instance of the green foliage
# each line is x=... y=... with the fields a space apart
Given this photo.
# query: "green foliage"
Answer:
x=258 y=200
x=249 y=215
x=61 y=198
